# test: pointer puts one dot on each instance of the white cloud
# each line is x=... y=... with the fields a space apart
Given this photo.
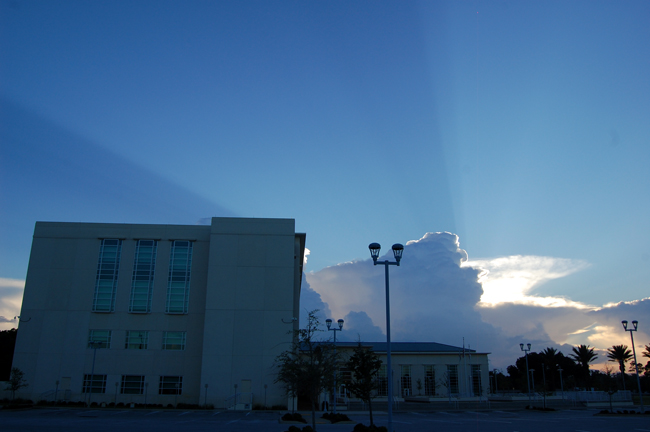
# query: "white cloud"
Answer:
x=437 y=294
x=11 y=297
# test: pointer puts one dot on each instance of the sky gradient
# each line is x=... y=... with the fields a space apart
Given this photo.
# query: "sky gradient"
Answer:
x=521 y=128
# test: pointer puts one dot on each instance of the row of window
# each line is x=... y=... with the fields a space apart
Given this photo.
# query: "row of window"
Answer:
x=144 y=265
x=133 y=384
x=450 y=380
x=137 y=339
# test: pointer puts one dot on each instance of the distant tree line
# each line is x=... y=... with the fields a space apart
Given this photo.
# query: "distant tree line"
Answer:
x=7 y=345
x=576 y=371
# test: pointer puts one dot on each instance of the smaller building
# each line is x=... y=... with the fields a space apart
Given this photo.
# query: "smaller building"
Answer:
x=425 y=370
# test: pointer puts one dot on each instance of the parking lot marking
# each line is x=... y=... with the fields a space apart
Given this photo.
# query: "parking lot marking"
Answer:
x=218 y=412
x=153 y=412
x=186 y=412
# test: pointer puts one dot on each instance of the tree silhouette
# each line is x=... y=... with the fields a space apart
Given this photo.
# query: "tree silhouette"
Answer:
x=364 y=365
x=308 y=368
x=619 y=354
x=583 y=355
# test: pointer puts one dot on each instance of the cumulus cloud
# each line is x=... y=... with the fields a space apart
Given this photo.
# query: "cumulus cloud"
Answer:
x=437 y=294
x=11 y=297
x=433 y=294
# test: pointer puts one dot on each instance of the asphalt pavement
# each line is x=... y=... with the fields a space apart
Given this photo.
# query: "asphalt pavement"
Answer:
x=141 y=420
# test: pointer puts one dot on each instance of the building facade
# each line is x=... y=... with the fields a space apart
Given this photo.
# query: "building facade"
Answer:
x=425 y=371
x=160 y=314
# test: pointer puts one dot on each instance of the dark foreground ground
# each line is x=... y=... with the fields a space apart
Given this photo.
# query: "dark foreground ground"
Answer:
x=78 y=420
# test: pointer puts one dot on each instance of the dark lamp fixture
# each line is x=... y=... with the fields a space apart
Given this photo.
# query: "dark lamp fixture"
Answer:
x=328 y=322
x=374 y=251
x=624 y=322
x=397 y=252
x=340 y=323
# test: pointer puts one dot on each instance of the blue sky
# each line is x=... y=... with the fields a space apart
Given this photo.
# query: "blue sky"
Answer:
x=521 y=127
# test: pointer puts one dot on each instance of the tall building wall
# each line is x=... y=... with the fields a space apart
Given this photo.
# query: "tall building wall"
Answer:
x=242 y=289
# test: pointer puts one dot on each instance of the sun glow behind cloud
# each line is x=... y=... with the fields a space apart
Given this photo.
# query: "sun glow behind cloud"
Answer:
x=512 y=279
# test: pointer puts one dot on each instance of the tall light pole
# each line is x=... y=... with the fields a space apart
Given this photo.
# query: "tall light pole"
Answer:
x=635 y=323
x=561 y=384
x=398 y=249
x=526 y=350
x=94 y=345
x=328 y=322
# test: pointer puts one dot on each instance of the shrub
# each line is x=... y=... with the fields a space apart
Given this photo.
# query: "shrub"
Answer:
x=307 y=429
x=294 y=417
x=293 y=428
x=335 y=418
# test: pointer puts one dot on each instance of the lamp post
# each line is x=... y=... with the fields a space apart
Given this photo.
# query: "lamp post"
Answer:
x=398 y=249
x=561 y=384
x=205 y=400
x=635 y=324
x=94 y=345
x=328 y=322
x=526 y=350
x=532 y=374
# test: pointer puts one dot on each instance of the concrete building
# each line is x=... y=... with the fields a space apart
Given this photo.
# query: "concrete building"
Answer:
x=160 y=314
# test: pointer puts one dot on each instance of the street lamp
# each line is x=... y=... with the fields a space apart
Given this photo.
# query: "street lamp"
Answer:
x=398 y=249
x=561 y=384
x=328 y=322
x=94 y=345
x=532 y=373
x=635 y=323
x=526 y=350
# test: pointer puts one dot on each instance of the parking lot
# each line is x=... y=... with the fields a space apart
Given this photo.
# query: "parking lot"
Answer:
x=135 y=420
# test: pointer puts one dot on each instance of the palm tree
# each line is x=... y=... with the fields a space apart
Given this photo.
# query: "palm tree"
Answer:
x=646 y=353
x=551 y=359
x=584 y=355
x=619 y=354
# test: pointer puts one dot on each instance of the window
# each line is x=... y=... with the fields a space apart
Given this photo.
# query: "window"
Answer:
x=142 y=280
x=405 y=380
x=106 y=281
x=99 y=339
x=173 y=341
x=136 y=339
x=170 y=385
x=132 y=384
x=178 y=282
x=452 y=378
x=429 y=380
x=94 y=384
x=382 y=389
x=476 y=380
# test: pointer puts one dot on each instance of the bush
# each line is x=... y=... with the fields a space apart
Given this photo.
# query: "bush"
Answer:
x=294 y=417
x=293 y=428
x=360 y=427
x=335 y=418
x=308 y=429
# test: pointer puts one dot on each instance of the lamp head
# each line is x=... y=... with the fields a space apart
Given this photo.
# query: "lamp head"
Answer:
x=528 y=347
x=340 y=324
x=374 y=251
x=398 y=249
x=328 y=323
x=624 y=322
x=635 y=323
x=521 y=346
